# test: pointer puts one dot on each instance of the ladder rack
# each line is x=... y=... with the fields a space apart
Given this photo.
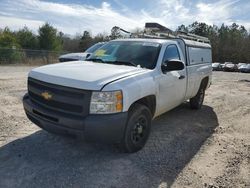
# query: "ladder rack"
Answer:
x=157 y=31
x=190 y=36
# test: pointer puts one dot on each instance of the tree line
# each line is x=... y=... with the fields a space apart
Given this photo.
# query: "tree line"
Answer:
x=229 y=43
x=50 y=39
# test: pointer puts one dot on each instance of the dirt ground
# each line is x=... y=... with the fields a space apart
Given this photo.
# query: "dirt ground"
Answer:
x=187 y=148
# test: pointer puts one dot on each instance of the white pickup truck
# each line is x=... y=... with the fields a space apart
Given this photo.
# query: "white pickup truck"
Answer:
x=115 y=94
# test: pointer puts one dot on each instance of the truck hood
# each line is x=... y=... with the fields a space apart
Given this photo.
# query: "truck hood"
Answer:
x=83 y=74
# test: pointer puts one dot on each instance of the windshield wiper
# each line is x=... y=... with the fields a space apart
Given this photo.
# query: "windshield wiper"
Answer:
x=123 y=63
x=112 y=62
x=95 y=60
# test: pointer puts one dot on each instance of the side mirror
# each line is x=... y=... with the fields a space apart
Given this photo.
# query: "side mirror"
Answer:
x=87 y=55
x=172 y=65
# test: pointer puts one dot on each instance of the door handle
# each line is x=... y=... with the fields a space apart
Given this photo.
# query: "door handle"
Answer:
x=181 y=77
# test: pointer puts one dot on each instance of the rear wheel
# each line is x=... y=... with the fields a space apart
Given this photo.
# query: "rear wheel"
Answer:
x=197 y=101
x=137 y=129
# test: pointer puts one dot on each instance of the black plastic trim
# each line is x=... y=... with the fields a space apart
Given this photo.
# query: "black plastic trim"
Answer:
x=107 y=128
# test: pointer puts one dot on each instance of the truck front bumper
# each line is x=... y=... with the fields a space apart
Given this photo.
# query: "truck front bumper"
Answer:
x=97 y=128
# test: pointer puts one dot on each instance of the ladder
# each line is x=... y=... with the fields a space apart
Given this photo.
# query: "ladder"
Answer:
x=157 y=31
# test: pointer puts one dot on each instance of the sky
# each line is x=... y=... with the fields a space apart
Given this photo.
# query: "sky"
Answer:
x=75 y=16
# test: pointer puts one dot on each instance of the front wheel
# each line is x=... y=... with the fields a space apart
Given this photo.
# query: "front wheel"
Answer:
x=197 y=101
x=137 y=129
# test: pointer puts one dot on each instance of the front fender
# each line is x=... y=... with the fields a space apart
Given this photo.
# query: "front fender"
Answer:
x=134 y=88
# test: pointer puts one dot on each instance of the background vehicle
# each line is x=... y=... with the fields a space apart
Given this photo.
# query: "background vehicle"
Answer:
x=222 y=66
x=216 y=66
x=240 y=64
x=230 y=67
x=114 y=95
x=244 y=68
x=81 y=55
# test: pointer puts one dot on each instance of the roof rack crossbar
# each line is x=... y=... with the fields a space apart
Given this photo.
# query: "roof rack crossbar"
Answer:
x=157 y=31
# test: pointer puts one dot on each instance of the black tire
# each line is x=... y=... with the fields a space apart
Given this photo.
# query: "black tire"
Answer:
x=137 y=129
x=197 y=101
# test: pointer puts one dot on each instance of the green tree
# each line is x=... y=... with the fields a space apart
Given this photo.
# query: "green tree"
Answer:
x=101 y=37
x=49 y=38
x=9 y=47
x=8 y=40
x=27 y=39
x=182 y=28
x=197 y=28
x=229 y=43
x=86 y=41
x=115 y=33
x=71 y=44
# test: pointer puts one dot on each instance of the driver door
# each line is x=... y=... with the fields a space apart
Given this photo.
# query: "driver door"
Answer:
x=172 y=84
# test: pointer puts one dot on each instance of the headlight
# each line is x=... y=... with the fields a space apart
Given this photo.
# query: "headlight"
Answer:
x=106 y=102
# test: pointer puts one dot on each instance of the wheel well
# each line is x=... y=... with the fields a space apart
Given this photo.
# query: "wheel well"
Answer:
x=204 y=82
x=149 y=101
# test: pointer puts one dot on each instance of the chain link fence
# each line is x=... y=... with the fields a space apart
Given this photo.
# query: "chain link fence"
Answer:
x=27 y=56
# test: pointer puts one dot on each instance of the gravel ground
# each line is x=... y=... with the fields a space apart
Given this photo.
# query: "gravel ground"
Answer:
x=187 y=148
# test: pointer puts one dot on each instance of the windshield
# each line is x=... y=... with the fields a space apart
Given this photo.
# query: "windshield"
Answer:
x=93 y=48
x=131 y=53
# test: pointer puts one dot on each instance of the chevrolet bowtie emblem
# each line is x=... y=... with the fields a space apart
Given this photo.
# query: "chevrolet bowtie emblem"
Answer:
x=46 y=95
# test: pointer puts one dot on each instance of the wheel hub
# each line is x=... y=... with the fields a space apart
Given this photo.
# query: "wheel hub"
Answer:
x=139 y=129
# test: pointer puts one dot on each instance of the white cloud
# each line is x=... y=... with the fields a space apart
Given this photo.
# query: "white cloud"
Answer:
x=124 y=7
x=75 y=18
x=17 y=23
x=176 y=12
x=216 y=13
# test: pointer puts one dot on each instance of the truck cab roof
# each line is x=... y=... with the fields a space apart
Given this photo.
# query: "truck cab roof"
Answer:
x=160 y=41
x=163 y=41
